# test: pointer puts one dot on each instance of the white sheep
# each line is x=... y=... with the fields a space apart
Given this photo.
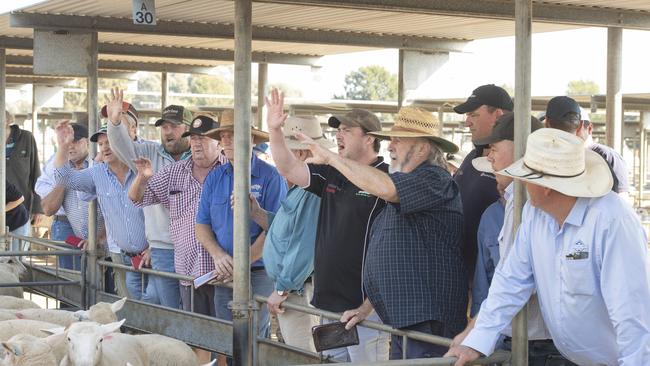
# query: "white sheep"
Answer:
x=10 y=328
x=10 y=270
x=102 y=313
x=11 y=302
x=92 y=344
x=27 y=350
x=166 y=351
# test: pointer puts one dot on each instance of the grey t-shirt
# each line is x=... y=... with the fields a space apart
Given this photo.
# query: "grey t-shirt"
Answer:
x=616 y=165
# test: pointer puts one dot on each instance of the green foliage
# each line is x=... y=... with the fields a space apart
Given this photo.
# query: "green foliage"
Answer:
x=370 y=83
x=582 y=87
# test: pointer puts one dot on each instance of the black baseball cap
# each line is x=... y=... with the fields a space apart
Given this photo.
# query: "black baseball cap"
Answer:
x=102 y=131
x=176 y=114
x=558 y=109
x=80 y=131
x=356 y=118
x=490 y=95
x=504 y=129
x=201 y=125
x=126 y=108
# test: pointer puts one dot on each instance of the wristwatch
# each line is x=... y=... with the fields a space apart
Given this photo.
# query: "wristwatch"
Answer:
x=281 y=292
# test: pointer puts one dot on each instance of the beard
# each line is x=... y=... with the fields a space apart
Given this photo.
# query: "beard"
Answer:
x=176 y=147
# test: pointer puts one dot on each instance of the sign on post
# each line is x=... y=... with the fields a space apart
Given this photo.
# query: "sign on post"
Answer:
x=144 y=12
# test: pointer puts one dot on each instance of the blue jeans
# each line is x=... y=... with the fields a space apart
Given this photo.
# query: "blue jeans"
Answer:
x=166 y=289
x=25 y=230
x=419 y=349
x=136 y=283
x=60 y=231
x=261 y=284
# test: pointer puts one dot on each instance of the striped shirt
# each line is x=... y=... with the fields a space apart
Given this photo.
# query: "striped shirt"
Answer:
x=124 y=221
x=177 y=190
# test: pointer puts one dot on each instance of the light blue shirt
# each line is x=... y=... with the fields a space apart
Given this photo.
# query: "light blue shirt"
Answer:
x=124 y=221
x=291 y=240
x=591 y=279
x=488 y=253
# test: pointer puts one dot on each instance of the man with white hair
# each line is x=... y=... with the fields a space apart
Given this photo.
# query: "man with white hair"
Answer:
x=582 y=249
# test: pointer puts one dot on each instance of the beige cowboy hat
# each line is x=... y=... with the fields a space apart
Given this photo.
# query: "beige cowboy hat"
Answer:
x=310 y=127
x=558 y=160
x=227 y=123
x=417 y=122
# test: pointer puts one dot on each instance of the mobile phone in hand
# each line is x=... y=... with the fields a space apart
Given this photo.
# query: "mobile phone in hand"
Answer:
x=75 y=241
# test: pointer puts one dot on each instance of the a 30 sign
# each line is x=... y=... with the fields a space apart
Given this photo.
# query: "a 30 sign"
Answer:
x=144 y=12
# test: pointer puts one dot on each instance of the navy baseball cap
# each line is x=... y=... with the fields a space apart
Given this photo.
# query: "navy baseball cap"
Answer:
x=201 y=125
x=80 y=131
x=490 y=95
x=102 y=131
x=558 y=108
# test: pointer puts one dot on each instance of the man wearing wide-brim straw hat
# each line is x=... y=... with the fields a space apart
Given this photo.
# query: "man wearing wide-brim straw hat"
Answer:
x=414 y=275
x=290 y=242
x=582 y=249
x=214 y=217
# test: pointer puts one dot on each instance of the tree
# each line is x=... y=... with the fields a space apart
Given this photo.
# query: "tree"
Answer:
x=582 y=87
x=370 y=83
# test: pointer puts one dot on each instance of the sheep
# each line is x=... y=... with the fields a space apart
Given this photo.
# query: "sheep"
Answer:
x=7 y=314
x=166 y=351
x=27 y=350
x=11 y=302
x=10 y=328
x=92 y=344
x=10 y=270
x=102 y=313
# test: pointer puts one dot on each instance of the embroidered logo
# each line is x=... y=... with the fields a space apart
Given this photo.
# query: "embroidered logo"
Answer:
x=197 y=123
x=363 y=194
x=578 y=252
x=331 y=188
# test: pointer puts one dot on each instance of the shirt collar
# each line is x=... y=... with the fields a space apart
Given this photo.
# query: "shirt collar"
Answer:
x=184 y=156
x=509 y=191
x=578 y=212
x=255 y=166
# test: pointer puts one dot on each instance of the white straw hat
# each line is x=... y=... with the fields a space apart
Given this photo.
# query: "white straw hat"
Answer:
x=558 y=160
x=308 y=126
x=482 y=164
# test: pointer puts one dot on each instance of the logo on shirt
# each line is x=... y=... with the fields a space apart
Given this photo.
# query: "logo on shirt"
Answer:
x=256 y=190
x=363 y=194
x=579 y=251
x=331 y=188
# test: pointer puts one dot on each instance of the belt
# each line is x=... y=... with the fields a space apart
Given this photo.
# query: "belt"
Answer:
x=62 y=218
x=534 y=341
x=130 y=254
x=255 y=269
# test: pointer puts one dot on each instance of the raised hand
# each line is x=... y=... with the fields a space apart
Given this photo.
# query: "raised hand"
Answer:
x=143 y=166
x=275 y=116
x=320 y=155
x=114 y=105
x=64 y=135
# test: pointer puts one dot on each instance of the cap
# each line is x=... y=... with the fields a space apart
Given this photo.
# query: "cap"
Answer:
x=504 y=129
x=201 y=125
x=356 y=118
x=261 y=148
x=490 y=95
x=126 y=107
x=558 y=108
x=102 y=131
x=176 y=114
x=80 y=131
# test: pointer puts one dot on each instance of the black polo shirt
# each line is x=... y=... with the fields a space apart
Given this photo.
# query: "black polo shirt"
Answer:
x=346 y=215
x=478 y=190
x=19 y=215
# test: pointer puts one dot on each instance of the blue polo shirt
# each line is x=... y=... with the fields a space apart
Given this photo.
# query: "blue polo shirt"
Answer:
x=214 y=207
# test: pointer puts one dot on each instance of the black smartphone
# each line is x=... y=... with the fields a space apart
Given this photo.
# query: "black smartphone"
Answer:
x=334 y=335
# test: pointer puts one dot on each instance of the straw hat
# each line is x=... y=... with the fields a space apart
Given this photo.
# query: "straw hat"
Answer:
x=416 y=122
x=227 y=123
x=308 y=126
x=558 y=160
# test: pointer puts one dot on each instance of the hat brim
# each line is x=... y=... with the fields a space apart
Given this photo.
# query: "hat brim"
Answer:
x=468 y=106
x=190 y=133
x=336 y=121
x=596 y=181
x=95 y=136
x=161 y=121
x=482 y=164
x=444 y=144
x=294 y=144
x=258 y=135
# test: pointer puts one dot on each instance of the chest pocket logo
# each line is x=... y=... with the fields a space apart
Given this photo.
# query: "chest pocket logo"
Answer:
x=331 y=188
x=578 y=252
x=256 y=190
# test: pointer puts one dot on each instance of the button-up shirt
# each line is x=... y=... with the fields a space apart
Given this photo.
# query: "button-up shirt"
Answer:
x=591 y=279
x=124 y=221
x=126 y=149
x=268 y=187
x=175 y=187
x=488 y=253
x=291 y=239
x=414 y=269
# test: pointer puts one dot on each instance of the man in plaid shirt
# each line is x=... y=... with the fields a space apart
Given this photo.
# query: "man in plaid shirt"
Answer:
x=178 y=188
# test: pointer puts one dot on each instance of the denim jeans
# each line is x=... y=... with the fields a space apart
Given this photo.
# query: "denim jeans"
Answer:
x=166 y=289
x=261 y=284
x=25 y=230
x=60 y=231
x=136 y=283
x=419 y=349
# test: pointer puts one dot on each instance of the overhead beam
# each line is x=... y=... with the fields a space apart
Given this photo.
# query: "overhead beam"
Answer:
x=498 y=9
x=192 y=53
x=105 y=74
x=20 y=80
x=226 y=30
x=126 y=65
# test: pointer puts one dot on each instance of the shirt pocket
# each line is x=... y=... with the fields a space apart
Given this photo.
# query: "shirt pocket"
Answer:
x=220 y=209
x=578 y=276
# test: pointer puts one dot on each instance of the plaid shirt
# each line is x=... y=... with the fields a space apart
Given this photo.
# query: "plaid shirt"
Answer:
x=176 y=189
x=414 y=270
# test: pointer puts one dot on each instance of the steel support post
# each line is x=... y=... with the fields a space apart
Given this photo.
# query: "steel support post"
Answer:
x=262 y=90
x=34 y=110
x=523 y=33
x=94 y=277
x=3 y=138
x=614 y=101
x=164 y=88
x=241 y=305
x=642 y=154
x=400 y=79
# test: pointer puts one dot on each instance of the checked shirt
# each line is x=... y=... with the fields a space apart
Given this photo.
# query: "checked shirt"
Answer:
x=414 y=270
